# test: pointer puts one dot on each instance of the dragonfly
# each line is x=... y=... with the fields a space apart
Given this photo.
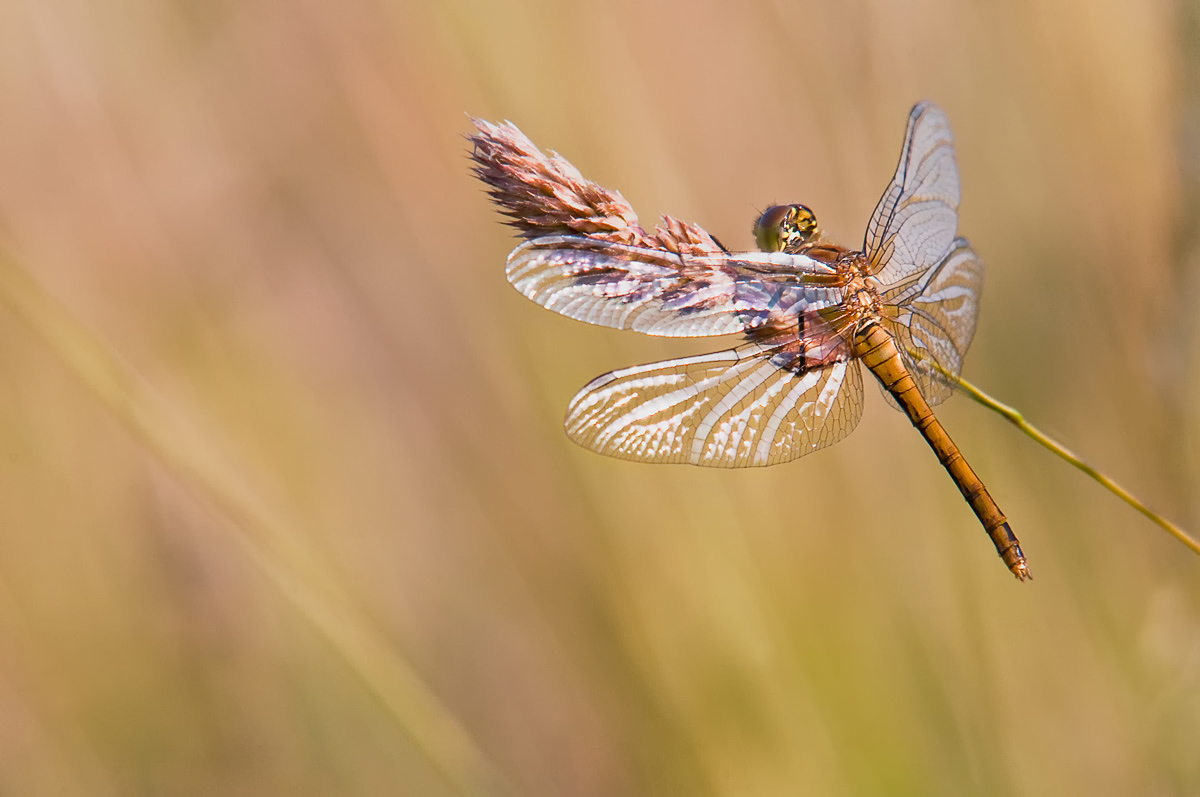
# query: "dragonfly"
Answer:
x=812 y=314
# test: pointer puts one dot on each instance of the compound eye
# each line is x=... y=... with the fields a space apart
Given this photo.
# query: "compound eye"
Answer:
x=803 y=223
x=785 y=228
x=769 y=229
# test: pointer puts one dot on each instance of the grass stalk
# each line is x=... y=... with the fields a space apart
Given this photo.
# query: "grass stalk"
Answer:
x=1017 y=419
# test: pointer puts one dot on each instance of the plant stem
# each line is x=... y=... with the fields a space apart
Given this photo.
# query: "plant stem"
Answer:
x=1018 y=420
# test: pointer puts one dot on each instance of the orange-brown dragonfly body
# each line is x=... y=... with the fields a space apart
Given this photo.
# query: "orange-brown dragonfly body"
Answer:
x=810 y=311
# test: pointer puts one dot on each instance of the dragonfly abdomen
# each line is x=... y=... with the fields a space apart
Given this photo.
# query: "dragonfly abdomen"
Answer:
x=876 y=348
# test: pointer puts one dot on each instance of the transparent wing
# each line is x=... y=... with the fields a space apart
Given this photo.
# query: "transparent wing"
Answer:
x=917 y=218
x=932 y=315
x=749 y=406
x=660 y=292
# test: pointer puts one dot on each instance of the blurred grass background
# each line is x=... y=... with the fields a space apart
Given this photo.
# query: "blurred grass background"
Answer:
x=331 y=538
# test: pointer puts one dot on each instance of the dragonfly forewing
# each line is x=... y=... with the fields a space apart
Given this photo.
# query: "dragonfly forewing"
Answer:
x=664 y=293
x=917 y=218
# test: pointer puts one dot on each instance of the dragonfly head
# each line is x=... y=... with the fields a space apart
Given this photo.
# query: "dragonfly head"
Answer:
x=785 y=228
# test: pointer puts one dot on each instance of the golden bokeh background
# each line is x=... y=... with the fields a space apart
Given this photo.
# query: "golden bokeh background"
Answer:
x=286 y=506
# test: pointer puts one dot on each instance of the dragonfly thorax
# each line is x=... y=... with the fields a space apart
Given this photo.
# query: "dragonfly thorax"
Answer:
x=861 y=290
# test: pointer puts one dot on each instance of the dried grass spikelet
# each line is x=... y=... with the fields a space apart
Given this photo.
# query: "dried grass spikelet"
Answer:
x=543 y=194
